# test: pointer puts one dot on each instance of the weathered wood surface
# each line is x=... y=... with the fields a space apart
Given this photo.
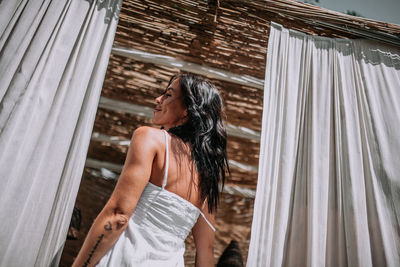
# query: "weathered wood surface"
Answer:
x=232 y=36
x=229 y=34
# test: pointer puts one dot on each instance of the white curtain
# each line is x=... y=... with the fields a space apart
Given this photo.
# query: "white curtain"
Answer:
x=53 y=58
x=328 y=190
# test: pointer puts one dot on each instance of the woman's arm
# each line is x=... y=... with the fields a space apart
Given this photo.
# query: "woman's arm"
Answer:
x=113 y=219
x=204 y=240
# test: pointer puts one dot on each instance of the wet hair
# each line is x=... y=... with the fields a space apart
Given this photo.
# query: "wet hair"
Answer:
x=205 y=132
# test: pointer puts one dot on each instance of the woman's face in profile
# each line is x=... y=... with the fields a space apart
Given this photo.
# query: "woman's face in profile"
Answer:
x=170 y=110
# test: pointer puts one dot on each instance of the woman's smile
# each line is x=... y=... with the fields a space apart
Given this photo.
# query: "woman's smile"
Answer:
x=170 y=110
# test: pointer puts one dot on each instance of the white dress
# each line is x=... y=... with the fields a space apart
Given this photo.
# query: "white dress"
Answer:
x=157 y=230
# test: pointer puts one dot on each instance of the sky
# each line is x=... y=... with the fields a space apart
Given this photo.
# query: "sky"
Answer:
x=382 y=10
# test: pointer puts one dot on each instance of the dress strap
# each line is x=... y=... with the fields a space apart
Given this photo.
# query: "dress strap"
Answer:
x=166 y=175
x=166 y=160
x=211 y=226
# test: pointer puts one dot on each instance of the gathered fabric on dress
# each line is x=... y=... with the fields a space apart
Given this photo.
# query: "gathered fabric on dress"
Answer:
x=157 y=229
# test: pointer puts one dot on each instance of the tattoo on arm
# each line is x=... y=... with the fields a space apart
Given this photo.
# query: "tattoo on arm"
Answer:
x=94 y=248
x=107 y=226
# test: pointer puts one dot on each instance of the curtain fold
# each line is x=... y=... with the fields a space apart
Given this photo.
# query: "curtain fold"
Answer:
x=53 y=58
x=328 y=190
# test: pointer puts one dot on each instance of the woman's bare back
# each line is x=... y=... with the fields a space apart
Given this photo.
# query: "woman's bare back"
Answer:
x=183 y=178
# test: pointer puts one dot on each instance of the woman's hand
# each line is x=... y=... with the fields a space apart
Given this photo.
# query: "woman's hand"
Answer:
x=113 y=219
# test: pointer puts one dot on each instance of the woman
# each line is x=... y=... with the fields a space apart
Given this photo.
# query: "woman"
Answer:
x=168 y=185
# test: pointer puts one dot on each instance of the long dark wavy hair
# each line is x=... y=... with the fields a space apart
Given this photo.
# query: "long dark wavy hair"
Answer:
x=205 y=132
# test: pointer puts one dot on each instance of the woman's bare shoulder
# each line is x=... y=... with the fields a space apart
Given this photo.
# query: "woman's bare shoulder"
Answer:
x=148 y=135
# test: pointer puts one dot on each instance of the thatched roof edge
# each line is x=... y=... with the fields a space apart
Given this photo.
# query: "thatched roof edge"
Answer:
x=321 y=17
